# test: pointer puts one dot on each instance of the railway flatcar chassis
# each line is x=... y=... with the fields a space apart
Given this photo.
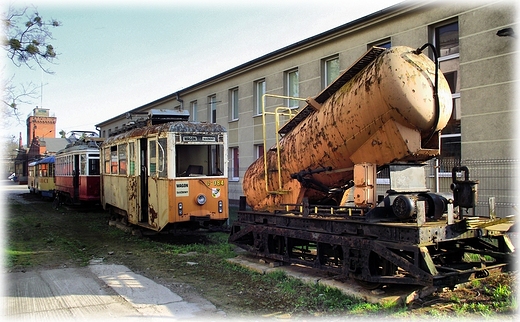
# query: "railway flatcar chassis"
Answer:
x=375 y=253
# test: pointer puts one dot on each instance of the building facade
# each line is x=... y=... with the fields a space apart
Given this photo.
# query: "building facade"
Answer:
x=476 y=50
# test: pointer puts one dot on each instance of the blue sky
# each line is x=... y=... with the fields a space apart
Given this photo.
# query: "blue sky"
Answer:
x=113 y=59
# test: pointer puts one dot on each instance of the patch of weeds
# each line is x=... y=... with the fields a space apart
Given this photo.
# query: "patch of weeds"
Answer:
x=365 y=308
x=322 y=298
x=17 y=258
x=473 y=308
x=502 y=293
x=74 y=248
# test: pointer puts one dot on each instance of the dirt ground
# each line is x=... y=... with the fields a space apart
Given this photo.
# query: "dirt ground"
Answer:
x=70 y=237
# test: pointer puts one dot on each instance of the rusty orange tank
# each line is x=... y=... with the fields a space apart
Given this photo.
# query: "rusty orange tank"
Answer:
x=385 y=113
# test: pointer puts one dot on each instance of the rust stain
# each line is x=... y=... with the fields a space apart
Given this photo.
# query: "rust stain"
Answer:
x=153 y=214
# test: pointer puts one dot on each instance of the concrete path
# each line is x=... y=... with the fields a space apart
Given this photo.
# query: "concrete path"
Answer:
x=106 y=292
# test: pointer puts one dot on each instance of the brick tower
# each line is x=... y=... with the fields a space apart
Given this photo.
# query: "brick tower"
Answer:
x=40 y=125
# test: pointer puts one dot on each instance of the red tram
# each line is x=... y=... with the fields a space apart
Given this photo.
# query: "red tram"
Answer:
x=77 y=170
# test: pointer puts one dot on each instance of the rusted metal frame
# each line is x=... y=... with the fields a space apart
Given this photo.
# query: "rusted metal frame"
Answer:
x=421 y=276
x=261 y=233
x=365 y=246
x=284 y=226
x=451 y=276
x=351 y=226
x=237 y=235
x=482 y=247
x=504 y=247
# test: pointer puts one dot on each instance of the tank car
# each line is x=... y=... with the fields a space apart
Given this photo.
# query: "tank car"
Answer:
x=312 y=197
x=166 y=173
x=77 y=170
x=41 y=177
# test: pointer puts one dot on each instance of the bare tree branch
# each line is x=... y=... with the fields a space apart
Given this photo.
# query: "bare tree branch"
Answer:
x=26 y=38
x=26 y=42
x=14 y=96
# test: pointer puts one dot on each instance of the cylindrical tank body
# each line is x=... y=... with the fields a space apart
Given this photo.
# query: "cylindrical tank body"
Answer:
x=393 y=93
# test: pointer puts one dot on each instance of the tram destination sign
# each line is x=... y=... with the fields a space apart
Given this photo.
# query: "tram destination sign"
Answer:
x=198 y=138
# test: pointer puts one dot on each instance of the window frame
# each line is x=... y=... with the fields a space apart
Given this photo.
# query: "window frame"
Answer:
x=292 y=89
x=193 y=111
x=455 y=94
x=259 y=151
x=234 y=164
x=259 y=92
x=234 y=104
x=326 y=80
x=212 y=102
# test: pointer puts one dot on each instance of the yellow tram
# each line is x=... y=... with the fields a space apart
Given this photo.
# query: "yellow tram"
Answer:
x=170 y=173
x=41 y=178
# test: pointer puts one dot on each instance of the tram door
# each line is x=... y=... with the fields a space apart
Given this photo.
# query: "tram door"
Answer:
x=143 y=182
x=75 y=177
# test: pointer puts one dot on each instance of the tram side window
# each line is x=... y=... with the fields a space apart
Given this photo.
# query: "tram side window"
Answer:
x=121 y=150
x=69 y=165
x=153 y=157
x=106 y=157
x=93 y=165
x=113 y=160
x=131 y=158
x=163 y=159
x=83 y=164
x=43 y=170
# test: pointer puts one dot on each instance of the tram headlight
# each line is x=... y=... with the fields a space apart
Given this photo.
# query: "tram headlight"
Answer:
x=179 y=208
x=201 y=199
x=220 y=206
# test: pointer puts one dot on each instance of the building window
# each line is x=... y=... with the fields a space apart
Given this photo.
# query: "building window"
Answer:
x=292 y=87
x=259 y=150
x=381 y=44
x=235 y=169
x=233 y=104
x=330 y=68
x=259 y=94
x=446 y=41
x=212 y=101
x=193 y=111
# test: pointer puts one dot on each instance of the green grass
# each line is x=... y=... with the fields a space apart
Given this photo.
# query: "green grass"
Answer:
x=71 y=237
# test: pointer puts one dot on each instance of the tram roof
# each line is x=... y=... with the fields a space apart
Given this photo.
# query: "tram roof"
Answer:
x=175 y=127
x=49 y=159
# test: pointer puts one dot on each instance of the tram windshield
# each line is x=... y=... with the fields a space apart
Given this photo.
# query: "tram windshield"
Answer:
x=199 y=160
